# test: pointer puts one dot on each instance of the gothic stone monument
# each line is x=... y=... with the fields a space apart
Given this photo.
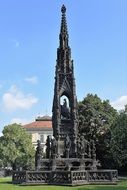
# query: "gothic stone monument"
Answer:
x=70 y=160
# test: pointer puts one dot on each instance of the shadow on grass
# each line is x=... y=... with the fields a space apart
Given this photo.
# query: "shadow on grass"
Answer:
x=5 y=182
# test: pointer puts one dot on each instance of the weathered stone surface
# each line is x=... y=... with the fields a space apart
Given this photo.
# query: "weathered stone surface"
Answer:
x=66 y=177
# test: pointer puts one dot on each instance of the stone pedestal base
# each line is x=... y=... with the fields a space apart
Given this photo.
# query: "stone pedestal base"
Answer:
x=71 y=178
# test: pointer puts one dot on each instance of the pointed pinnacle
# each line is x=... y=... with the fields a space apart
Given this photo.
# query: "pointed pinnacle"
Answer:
x=63 y=9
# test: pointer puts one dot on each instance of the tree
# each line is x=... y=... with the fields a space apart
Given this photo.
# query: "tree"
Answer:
x=119 y=141
x=16 y=149
x=95 y=120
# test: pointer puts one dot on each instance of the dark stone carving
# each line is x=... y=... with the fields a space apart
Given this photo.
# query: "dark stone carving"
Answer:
x=54 y=146
x=65 y=177
x=48 y=147
x=38 y=155
x=64 y=118
x=65 y=110
x=67 y=146
x=70 y=160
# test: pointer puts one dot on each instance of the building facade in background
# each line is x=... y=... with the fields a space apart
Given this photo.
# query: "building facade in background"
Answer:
x=40 y=129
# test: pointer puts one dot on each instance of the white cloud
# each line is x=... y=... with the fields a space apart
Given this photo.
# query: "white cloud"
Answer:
x=21 y=121
x=120 y=103
x=14 y=99
x=32 y=80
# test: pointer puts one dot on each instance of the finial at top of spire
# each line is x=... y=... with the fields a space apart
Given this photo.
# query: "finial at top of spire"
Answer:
x=63 y=30
x=63 y=9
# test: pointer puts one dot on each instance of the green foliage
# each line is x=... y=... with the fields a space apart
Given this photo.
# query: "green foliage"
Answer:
x=95 y=120
x=16 y=147
x=119 y=141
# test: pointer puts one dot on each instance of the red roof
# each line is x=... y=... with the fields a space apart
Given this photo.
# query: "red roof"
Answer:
x=40 y=123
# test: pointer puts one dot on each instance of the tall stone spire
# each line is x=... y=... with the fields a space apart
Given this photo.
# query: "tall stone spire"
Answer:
x=64 y=118
x=63 y=31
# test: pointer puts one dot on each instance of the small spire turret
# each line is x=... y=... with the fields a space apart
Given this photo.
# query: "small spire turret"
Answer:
x=63 y=31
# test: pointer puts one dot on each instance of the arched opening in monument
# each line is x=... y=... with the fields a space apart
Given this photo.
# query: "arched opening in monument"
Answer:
x=65 y=107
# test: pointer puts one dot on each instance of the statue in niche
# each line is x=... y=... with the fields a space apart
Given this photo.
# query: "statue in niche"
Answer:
x=65 y=113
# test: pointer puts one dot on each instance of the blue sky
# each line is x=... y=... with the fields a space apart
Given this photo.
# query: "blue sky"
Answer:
x=29 y=37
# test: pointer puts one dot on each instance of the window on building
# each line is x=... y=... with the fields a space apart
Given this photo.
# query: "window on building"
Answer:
x=42 y=138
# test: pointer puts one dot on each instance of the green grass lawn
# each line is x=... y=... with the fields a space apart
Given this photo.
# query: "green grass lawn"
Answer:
x=5 y=184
